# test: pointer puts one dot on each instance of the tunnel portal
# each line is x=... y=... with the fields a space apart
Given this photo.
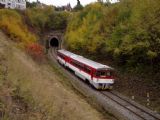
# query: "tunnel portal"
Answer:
x=54 y=42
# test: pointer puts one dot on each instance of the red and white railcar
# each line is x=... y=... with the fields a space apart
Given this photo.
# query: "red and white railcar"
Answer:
x=98 y=75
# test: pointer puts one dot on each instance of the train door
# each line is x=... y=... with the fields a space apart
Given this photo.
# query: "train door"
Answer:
x=67 y=61
x=92 y=72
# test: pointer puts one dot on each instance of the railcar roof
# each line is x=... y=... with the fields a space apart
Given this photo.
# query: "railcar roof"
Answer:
x=65 y=52
x=91 y=63
x=86 y=61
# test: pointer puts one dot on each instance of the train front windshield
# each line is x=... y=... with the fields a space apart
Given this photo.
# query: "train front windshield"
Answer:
x=104 y=73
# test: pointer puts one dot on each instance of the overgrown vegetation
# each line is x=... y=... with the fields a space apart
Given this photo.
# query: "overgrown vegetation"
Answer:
x=36 y=51
x=11 y=22
x=45 y=19
x=127 y=33
x=31 y=91
x=22 y=27
x=126 y=36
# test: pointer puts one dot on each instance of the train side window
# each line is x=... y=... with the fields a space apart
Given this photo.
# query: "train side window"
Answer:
x=62 y=56
x=78 y=65
x=81 y=66
x=58 y=54
x=74 y=63
x=86 y=69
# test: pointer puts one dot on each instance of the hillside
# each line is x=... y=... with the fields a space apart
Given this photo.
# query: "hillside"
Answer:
x=31 y=91
x=126 y=36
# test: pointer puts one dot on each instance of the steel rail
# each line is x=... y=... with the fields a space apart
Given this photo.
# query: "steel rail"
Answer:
x=130 y=107
x=136 y=106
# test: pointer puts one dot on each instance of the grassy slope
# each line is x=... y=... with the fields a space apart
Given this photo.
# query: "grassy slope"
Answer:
x=33 y=92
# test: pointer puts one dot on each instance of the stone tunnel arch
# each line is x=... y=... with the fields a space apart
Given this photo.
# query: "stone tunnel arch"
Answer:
x=54 y=42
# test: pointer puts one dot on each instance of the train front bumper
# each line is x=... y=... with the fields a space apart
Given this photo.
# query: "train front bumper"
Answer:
x=104 y=86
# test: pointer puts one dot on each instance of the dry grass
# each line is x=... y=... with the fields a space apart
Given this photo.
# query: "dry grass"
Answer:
x=39 y=92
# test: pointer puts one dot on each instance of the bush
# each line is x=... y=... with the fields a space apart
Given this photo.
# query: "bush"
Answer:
x=11 y=23
x=47 y=18
x=36 y=51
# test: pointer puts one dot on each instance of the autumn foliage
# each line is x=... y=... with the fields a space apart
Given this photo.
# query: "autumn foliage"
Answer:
x=12 y=23
x=36 y=51
x=126 y=32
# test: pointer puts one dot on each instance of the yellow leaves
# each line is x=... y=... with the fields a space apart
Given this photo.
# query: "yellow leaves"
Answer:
x=117 y=51
x=143 y=44
x=151 y=54
x=84 y=28
x=11 y=22
x=119 y=30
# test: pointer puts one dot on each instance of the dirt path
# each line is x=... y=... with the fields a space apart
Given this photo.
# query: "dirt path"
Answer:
x=38 y=86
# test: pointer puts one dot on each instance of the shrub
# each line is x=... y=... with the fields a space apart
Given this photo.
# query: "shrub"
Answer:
x=36 y=51
x=12 y=24
x=47 y=18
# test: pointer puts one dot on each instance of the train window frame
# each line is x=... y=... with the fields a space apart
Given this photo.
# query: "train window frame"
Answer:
x=110 y=73
x=61 y=56
x=103 y=75
x=86 y=69
x=81 y=66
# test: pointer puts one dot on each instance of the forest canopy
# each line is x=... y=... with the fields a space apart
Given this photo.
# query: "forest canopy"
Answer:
x=45 y=19
x=127 y=32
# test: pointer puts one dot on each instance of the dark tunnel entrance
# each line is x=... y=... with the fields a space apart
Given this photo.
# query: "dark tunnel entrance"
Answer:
x=54 y=42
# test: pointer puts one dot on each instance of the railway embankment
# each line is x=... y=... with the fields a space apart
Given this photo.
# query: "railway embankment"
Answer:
x=29 y=90
x=112 y=102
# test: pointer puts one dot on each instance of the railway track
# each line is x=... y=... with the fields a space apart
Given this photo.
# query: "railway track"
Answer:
x=138 y=110
x=133 y=110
